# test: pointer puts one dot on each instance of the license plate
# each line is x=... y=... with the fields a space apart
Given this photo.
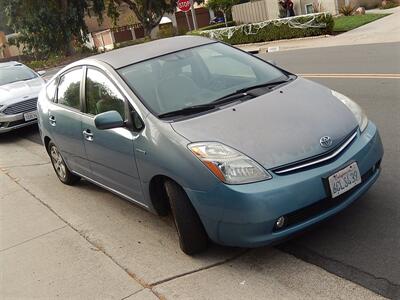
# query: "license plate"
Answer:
x=30 y=116
x=344 y=180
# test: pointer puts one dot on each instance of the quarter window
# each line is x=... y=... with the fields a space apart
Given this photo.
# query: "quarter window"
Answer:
x=102 y=95
x=68 y=89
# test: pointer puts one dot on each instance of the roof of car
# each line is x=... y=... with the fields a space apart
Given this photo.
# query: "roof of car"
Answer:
x=133 y=54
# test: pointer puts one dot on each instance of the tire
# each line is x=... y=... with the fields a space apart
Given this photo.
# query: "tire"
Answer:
x=193 y=238
x=61 y=169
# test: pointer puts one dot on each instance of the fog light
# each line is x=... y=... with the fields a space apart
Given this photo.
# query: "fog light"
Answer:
x=280 y=222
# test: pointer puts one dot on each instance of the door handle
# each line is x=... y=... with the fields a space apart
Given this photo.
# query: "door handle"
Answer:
x=88 y=135
x=52 y=120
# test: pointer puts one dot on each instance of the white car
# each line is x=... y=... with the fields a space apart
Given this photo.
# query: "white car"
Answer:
x=19 y=90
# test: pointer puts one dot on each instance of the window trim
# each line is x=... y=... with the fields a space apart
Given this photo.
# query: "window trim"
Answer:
x=54 y=97
x=80 y=90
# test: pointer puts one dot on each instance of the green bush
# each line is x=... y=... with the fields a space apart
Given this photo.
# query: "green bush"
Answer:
x=52 y=60
x=218 y=25
x=165 y=32
x=389 y=4
x=272 y=30
x=132 y=42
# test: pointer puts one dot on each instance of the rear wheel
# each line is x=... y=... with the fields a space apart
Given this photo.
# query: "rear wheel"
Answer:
x=62 y=171
x=193 y=238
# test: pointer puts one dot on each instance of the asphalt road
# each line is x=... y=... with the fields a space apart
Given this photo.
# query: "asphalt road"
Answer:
x=362 y=243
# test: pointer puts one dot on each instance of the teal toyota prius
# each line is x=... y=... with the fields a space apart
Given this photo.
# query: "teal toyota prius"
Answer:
x=241 y=152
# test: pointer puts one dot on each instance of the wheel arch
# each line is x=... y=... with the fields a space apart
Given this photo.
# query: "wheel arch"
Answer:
x=158 y=195
x=46 y=143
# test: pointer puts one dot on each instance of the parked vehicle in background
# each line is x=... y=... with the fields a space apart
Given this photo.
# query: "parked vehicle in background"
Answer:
x=217 y=20
x=240 y=151
x=19 y=90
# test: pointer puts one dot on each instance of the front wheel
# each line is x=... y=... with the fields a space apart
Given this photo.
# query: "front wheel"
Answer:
x=193 y=238
x=62 y=171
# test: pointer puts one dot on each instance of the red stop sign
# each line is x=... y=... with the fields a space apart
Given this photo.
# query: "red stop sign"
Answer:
x=184 y=5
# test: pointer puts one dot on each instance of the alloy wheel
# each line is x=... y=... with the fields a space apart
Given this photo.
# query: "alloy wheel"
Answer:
x=58 y=162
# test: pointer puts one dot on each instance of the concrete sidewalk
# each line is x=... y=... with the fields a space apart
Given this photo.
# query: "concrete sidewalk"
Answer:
x=82 y=242
x=384 y=30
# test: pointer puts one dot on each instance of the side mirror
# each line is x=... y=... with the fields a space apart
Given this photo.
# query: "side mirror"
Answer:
x=108 y=120
x=41 y=73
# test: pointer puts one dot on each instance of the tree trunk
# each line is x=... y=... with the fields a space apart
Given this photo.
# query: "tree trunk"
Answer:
x=69 y=48
x=147 y=30
x=226 y=21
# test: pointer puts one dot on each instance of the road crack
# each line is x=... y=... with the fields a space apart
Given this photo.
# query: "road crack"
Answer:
x=241 y=253
x=34 y=238
x=379 y=285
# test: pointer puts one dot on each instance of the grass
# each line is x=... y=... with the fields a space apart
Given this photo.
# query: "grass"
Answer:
x=346 y=23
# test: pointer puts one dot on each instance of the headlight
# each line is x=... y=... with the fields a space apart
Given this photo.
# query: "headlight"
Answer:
x=229 y=165
x=355 y=108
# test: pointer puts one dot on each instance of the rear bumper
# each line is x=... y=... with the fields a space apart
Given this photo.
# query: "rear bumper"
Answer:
x=245 y=215
x=12 y=122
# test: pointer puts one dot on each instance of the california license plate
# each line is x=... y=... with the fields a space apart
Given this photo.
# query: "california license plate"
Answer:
x=30 y=116
x=344 y=180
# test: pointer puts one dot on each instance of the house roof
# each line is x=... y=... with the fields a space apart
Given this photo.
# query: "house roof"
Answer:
x=133 y=54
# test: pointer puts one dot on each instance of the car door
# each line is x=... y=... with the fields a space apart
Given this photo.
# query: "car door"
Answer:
x=65 y=119
x=110 y=152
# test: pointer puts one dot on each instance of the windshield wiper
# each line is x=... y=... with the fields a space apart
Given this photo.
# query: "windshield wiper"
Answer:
x=188 y=110
x=19 y=80
x=266 y=84
x=244 y=91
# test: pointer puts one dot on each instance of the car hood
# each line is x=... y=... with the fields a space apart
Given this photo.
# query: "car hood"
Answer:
x=20 y=90
x=277 y=128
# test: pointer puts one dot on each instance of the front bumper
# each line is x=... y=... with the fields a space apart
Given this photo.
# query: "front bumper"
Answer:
x=245 y=215
x=12 y=122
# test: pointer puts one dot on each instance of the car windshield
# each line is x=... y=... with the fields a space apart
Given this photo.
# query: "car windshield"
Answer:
x=196 y=76
x=15 y=73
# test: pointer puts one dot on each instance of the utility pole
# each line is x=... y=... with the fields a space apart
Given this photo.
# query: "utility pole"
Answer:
x=193 y=14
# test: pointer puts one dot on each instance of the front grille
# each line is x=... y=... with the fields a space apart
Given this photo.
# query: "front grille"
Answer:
x=21 y=107
x=318 y=160
x=322 y=206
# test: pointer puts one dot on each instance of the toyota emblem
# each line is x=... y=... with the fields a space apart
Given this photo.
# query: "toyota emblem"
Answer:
x=325 y=141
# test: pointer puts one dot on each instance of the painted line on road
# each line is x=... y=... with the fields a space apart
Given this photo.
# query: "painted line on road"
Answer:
x=361 y=76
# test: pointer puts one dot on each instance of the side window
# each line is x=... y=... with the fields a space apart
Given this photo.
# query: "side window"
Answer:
x=68 y=89
x=102 y=95
x=51 y=90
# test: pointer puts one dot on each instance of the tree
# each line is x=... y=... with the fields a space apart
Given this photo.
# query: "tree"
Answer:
x=225 y=6
x=49 y=26
x=55 y=26
x=149 y=12
x=3 y=23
